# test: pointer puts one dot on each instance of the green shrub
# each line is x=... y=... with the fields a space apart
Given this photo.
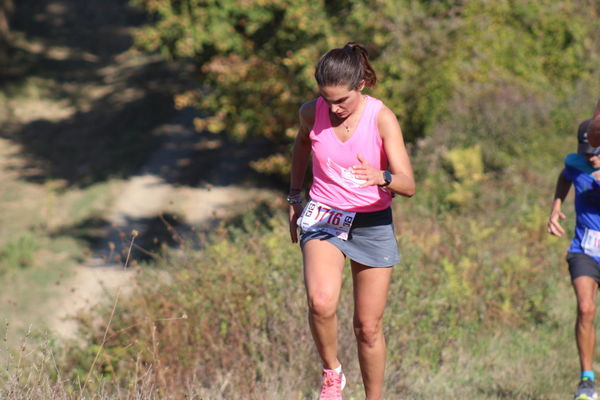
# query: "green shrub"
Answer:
x=19 y=252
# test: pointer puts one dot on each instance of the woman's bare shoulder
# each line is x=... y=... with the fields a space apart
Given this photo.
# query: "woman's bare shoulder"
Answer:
x=307 y=112
x=387 y=122
x=386 y=115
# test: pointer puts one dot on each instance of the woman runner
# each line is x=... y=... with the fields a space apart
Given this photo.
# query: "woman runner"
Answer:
x=359 y=161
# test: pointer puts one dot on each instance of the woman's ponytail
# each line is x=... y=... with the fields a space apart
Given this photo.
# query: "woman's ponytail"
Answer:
x=348 y=66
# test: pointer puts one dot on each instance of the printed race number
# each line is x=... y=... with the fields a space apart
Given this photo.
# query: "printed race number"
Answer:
x=320 y=217
x=591 y=243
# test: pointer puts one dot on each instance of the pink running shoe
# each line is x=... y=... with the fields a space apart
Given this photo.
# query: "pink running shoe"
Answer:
x=333 y=383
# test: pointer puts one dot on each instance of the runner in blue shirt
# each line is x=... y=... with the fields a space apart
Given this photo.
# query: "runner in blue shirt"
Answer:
x=582 y=170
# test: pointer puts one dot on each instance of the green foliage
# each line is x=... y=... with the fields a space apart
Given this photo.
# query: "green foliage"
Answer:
x=19 y=252
x=437 y=61
x=255 y=56
x=442 y=50
x=467 y=167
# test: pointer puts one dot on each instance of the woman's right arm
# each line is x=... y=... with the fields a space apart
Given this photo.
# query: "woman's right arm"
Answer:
x=560 y=193
x=300 y=157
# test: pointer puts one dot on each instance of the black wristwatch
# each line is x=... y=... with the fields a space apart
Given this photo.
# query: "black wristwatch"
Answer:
x=387 y=177
x=294 y=198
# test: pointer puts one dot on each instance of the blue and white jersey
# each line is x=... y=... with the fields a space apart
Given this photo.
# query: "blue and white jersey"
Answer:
x=587 y=205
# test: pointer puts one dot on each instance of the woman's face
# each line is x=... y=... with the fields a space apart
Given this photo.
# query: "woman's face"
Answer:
x=341 y=100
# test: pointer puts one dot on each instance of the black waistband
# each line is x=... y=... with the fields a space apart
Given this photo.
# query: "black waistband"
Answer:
x=374 y=218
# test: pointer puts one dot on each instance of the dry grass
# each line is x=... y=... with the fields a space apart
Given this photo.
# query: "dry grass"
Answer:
x=531 y=362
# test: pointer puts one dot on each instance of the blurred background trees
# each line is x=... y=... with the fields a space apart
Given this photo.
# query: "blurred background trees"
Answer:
x=438 y=61
x=6 y=8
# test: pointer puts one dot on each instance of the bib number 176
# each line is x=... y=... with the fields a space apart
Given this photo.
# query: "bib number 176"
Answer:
x=318 y=216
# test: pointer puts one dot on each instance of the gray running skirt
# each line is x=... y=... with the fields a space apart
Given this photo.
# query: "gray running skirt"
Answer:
x=371 y=241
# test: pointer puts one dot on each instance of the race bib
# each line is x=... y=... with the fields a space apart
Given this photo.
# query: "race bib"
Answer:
x=591 y=243
x=320 y=217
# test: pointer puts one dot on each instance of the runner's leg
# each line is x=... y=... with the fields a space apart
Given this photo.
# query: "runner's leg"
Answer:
x=323 y=266
x=586 y=290
x=370 y=296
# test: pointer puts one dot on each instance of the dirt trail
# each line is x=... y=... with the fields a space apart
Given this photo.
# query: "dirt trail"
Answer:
x=96 y=84
x=143 y=198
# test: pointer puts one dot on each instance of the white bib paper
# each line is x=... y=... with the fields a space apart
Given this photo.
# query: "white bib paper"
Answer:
x=591 y=243
x=320 y=217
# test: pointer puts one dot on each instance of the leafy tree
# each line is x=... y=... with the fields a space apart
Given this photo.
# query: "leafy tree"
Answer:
x=441 y=50
x=436 y=58
x=255 y=57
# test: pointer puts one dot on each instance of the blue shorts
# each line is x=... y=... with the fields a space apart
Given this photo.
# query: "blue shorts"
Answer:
x=371 y=240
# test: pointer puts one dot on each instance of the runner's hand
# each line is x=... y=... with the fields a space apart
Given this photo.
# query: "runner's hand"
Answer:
x=554 y=227
x=295 y=211
x=364 y=171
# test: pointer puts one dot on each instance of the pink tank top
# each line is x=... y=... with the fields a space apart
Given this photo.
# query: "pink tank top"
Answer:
x=333 y=181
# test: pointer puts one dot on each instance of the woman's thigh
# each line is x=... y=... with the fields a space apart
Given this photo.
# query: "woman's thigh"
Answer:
x=371 y=285
x=323 y=267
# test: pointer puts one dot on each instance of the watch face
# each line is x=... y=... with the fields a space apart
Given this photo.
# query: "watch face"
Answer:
x=387 y=175
x=294 y=199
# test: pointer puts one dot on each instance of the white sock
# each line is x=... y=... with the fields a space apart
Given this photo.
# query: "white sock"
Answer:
x=338 y=369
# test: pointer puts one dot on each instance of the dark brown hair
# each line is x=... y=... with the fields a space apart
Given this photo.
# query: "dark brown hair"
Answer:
x=347 y=66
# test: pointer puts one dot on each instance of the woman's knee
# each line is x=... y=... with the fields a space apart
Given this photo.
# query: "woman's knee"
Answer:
x=368 y=333
x=322 y=304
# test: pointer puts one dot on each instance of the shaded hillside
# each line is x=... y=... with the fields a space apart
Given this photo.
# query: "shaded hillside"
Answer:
x=93 y=102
